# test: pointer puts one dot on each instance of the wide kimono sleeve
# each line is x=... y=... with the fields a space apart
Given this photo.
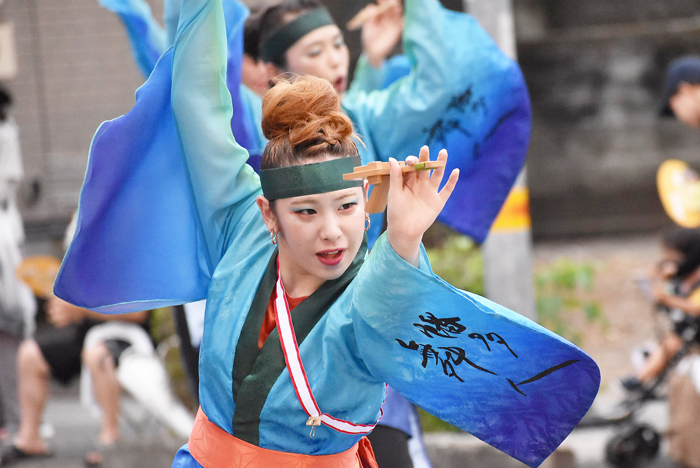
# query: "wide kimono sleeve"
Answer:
x=467 y=360
x=149 y=40
x=166 y=184
x=147 y=37
x=462 y=94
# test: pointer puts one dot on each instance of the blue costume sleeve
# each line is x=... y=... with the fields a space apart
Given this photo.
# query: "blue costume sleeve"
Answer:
x=165 y=184
x=147 y=38
x=221 y=179
x=469 y=361
x=367 y=78
x=148 y=41
x=171 y=16
x=463 y=94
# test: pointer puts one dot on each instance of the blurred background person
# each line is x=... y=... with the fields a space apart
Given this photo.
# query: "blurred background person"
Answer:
x=680 y=98
x=681 y=91
x=17 y=305
x=56 y=351
x=676 y=290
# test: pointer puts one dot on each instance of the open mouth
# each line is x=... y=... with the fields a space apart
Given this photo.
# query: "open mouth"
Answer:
x=339 y=84
x=330 y=257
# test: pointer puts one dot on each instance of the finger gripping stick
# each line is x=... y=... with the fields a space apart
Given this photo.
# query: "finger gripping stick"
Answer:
x=377 y=174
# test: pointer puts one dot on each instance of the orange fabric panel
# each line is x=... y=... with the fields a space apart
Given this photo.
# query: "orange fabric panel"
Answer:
x=213 y=447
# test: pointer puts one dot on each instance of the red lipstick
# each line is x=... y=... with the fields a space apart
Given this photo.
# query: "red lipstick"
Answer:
x=331 y=257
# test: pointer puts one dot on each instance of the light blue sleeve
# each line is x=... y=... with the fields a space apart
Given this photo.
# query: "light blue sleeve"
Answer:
x=366 y=77
x=166 y=185
x=171 y=16
x=253 y=103
x=461 y=94
x=467 y=360
x=416 y=99
x=224 y=185
x=147 y=37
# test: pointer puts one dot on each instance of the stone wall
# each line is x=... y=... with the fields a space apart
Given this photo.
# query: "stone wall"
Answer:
x=75 y=71
x=594 y=70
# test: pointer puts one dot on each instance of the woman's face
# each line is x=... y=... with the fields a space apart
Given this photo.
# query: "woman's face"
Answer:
x=686 y=104
x=322 y=53
x=255 y=75
x=318 y=235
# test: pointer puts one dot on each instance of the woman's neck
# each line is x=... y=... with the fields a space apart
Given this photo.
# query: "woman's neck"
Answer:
x=297 y=282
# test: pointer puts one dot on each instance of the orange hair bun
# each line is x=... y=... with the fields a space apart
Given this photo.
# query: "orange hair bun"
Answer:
x=304 y=116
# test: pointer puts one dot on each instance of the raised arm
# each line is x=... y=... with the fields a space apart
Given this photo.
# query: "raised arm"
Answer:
x=223 y=184
x=147 y=37
x=166 y=184
x=462 y=94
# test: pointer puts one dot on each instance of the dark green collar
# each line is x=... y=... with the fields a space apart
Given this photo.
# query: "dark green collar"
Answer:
x=256 y=371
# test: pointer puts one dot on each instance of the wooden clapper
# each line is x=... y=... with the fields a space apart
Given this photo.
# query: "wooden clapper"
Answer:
x=377 y=174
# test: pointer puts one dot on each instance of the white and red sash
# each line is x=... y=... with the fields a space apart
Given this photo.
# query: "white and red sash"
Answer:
x=300 y=382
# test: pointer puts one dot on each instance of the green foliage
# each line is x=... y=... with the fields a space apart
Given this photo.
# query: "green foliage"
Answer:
x=458 y=261
x=432 y=423
x=563 y=290
x=163 y=332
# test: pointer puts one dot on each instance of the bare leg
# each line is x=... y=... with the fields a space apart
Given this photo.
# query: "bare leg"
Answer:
x=106 y=388
x=33 y=386
x=658 y=360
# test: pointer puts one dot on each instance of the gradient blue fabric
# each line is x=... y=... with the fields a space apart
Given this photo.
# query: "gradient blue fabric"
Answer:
x=147 y=38
x=453 y=89
x=168 y=216
x=149 y=41
x=462 y=94
x=469 y=361
x=136 y=203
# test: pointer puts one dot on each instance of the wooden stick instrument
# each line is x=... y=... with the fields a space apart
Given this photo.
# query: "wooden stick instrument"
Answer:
x=377 y=174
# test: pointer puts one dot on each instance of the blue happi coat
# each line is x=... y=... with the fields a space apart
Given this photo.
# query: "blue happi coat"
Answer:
x=453 y=89
x=168 y=216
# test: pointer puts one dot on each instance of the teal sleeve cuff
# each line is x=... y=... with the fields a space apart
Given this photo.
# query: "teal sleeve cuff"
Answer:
x=367 y=78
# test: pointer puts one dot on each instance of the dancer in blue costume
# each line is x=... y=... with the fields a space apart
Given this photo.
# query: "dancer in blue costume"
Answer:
x=462 y=94
x=480 y=87
x=371 y=320
x=399 y=426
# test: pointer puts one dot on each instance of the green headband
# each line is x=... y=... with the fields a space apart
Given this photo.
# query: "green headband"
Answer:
x=286 y=35
x=309 y=179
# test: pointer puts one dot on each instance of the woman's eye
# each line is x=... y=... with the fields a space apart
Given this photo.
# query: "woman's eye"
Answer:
x=347 y=206
x=306 y=211
x=339 y=43
x=315 y=52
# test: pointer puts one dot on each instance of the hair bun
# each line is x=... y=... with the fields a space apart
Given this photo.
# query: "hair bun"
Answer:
x=307 y=112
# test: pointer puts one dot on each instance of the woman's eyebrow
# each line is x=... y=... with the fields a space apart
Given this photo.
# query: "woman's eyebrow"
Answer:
x=319 y=42
x=314 y=44
x=305 y=201
x=349 y=195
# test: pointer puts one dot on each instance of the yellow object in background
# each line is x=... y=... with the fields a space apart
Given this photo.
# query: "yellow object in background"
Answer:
x=39 y=273
x=515 y=212
x=679 y=190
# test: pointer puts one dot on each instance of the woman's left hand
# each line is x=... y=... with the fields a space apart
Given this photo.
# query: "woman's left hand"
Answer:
x=382 y=32
x=414 y=203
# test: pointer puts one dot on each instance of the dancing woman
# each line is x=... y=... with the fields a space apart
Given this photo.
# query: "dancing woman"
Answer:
x=303 y=384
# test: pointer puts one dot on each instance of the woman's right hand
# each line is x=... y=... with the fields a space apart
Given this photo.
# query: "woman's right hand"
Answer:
x=415 y=200
x=382 y=32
